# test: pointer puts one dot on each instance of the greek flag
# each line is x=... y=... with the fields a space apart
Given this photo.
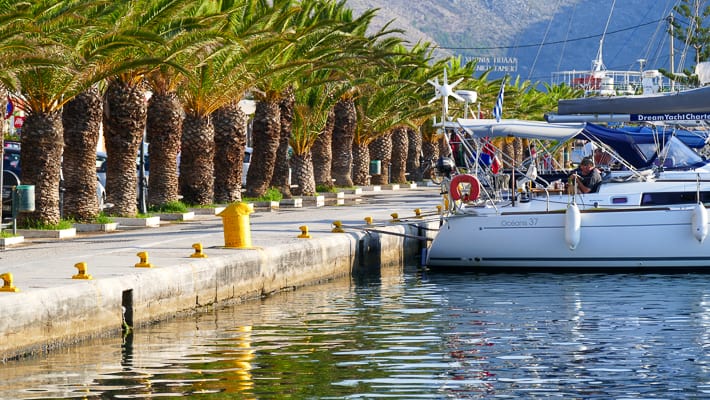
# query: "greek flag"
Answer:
x=498 y=108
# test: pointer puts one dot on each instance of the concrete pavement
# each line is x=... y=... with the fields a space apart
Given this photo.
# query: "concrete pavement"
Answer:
x=52 y=309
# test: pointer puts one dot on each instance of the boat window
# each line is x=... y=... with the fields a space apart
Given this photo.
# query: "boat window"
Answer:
x=677 y=154
x=619 y=200
x=669 y=198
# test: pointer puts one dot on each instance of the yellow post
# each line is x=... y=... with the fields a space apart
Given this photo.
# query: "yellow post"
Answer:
x=418 y=212
x=143 y=255
x=368 y=220
x=81 y=266
x=395 y=217
x=439 y=209
x=304 y=232
x=338 y=227
x=7 y=285
x=198 y=251
x=237 y=231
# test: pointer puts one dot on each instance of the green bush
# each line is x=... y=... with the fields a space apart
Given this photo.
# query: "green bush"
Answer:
x=169 y=207
x=325 y=189
x=34 y=224
x=103 y=219
x=6 y=234
x=271 y=195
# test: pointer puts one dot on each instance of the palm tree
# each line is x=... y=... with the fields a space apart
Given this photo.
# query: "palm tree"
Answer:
x=266 y=124
x=81 y=120
x=151 y=23
x=344 y=126
x=324 y=147
x=164 y=118
x=312 y=110
x=47 y=70
x=280 y=179
x=380 y=108
x=230 y=134
x=322 y=153
x=400 y=147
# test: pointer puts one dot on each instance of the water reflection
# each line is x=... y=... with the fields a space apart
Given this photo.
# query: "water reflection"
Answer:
x=408 y=334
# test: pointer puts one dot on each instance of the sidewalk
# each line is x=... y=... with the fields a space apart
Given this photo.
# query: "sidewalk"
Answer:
x=52 y=308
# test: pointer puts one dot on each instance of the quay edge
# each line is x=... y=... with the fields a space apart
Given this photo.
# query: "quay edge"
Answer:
x=41 y=320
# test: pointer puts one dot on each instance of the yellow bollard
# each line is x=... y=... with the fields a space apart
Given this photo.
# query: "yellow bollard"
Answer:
x=198 y=251
x=7 y=285
x=143 y=255
x=338 y=227
x=439 y=208
x=395 y=217
x=368 y=220
x=418 y=213
x=237 y=232
x=82 y=271
x=304 y=232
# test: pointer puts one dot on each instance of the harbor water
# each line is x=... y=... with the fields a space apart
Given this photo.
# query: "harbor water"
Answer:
x=408 y=334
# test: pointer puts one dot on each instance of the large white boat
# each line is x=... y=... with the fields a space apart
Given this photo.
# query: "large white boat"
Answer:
x=648 y=213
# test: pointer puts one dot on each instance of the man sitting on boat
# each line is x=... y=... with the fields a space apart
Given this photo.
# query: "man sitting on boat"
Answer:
x=586 y=178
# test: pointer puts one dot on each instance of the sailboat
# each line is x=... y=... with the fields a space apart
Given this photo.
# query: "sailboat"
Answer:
x=647 y=213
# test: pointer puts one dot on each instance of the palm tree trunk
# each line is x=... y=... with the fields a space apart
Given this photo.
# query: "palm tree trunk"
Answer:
x=266 y=133
x=197 y=160
x=124 y=124
x=163 y=129
x=230 y=136
x=414 y=155
x=81 y=119
x=42 y=147
x=322 y=153
x=303 y=174
x=400 y=149
x=381 y=149
x=343 y=132
x=361 y=164
x=282 y=170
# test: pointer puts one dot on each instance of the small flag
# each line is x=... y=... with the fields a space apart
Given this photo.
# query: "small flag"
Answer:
x=498 y=108
x=10 y=108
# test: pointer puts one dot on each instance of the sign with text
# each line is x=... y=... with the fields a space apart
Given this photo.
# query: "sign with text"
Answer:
x=495 y=63
x=689 y=116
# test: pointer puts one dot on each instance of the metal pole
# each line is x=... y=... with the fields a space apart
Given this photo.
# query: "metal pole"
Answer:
x=142 y=189
x=670 y=22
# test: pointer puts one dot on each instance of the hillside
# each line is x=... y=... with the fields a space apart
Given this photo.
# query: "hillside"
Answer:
x=512 y=30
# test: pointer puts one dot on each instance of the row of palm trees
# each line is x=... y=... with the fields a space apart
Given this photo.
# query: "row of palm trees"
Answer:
x=325 y=85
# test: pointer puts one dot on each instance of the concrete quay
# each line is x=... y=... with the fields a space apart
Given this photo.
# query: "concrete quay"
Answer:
x=51 y=309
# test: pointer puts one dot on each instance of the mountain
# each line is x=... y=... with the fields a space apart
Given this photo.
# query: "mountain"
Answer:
x=534 y=38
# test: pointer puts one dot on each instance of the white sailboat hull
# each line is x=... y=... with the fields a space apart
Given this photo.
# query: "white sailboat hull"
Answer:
x=608 y=239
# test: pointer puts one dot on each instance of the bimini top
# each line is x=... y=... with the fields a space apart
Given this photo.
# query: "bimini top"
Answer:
x=518 y=128
x=641 y=147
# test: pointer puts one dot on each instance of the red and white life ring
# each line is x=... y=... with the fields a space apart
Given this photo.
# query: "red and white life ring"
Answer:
x=455 y=188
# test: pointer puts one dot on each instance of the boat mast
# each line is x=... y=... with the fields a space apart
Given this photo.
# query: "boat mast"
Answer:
x=672 y=51
x=598 y=63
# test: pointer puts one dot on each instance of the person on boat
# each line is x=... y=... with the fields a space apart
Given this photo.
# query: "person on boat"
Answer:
x=586 y=177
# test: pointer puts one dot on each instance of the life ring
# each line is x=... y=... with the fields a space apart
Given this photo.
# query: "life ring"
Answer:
x=455 y=190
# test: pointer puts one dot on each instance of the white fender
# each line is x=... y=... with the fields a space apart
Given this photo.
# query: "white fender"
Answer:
x=573 y=226
x=699 y=222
